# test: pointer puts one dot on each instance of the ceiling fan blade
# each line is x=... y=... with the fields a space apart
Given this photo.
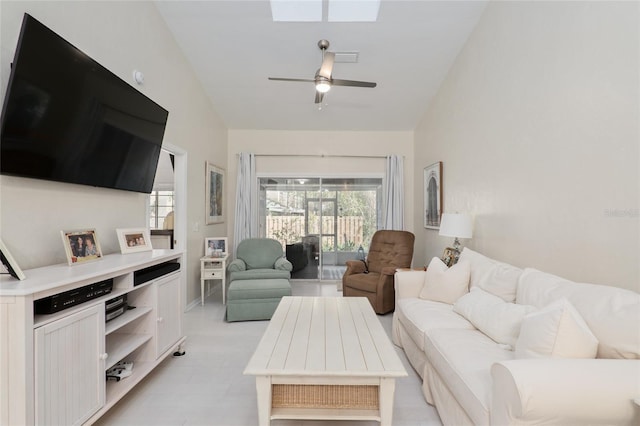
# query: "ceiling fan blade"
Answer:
x=319 y=97
x=292 y=79
x=327 y=64
x=337 y=82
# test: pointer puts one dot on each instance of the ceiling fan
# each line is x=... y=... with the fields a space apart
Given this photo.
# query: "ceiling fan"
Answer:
x=323 y=79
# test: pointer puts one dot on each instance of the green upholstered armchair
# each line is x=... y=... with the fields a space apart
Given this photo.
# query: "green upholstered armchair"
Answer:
x=259 y=258
x=388 y=251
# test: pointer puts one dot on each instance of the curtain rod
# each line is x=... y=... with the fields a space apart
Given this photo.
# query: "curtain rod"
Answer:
x=320 y=155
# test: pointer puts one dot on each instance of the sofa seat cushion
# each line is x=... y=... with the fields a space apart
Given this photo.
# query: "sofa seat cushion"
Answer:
x=418 y=316
x=463 y=358
x=259 y=274
x=364 y=282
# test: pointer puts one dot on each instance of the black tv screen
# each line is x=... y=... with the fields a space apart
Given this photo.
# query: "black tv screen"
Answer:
x=67 y=118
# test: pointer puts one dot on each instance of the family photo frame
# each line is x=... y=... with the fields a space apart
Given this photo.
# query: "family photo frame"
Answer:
x=432 y=195
x=215 y=247
x=214 y=195
x=81 y=246
x=134 y=240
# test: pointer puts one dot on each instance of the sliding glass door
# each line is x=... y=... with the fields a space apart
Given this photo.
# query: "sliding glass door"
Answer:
x=320 y=222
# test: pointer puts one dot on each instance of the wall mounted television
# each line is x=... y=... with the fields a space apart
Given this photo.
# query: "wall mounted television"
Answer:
x=67 y=118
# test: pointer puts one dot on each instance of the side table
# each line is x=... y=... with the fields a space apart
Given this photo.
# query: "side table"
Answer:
x=213 y=268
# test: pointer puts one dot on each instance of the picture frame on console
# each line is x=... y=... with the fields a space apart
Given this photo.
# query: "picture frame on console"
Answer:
x=134 y=240
x=9 y=263
x=432 y=195
x=214 y=195
x=81 y=246
x=215 y=247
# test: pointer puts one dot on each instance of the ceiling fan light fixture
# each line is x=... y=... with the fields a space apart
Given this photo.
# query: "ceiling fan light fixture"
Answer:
x=323 y=86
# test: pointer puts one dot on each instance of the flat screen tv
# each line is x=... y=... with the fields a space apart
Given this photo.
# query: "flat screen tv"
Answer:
x=67 y=118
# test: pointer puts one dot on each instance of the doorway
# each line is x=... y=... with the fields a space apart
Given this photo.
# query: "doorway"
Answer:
x=321 y=222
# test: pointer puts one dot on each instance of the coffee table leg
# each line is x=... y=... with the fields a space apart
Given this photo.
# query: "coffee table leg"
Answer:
x=387 y=389
x=263 y=388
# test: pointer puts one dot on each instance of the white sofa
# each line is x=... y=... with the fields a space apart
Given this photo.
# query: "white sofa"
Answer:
x=473 y=379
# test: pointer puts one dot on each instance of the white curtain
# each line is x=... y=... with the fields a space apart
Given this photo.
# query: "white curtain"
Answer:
x=394 y=193
x=246 y=223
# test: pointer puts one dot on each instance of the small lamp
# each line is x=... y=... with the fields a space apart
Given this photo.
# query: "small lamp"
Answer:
x=457 y=225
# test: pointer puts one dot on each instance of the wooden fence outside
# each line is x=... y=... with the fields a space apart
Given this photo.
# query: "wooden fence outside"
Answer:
x=290 y=229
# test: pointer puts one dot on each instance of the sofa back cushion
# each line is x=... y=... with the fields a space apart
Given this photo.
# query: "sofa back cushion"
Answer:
x=492 y=315
x=497 y=278
x=259 y=253
x=612 y=314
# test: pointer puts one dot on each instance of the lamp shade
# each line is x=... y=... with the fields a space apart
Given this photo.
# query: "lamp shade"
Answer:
x=456 y=225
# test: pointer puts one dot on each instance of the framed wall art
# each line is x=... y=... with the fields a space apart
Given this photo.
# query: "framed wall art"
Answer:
x=81 y=246
x=214 y=197
x=215 y=247
x=133 y=240
x=433 y=195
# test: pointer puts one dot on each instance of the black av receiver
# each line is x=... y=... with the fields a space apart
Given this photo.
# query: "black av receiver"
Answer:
x=67 y=299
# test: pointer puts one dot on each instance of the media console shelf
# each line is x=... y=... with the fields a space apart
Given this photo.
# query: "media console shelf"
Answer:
x=52 y=367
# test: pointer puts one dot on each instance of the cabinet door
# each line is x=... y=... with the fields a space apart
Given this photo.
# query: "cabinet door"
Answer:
x=168 y=313
x=69 y=373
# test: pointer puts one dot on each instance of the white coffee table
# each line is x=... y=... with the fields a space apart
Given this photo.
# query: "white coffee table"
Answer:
x=325 y=358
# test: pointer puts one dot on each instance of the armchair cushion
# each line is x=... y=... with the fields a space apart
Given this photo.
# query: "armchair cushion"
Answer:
x=283 y=264
x=237 y=265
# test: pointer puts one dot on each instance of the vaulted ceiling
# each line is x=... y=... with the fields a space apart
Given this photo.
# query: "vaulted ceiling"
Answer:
x=234 y=46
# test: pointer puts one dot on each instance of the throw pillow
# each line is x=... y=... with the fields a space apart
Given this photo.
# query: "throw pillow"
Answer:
x=444 y=284
x=493 y=316
x=556 y=331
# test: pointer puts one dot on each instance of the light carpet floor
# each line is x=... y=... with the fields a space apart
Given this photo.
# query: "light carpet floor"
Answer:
x=207 y=387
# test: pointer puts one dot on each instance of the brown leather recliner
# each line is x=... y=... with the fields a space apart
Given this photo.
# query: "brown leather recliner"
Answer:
x=389 y=250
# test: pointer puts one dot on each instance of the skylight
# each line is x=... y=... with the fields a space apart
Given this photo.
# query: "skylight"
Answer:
x=296 y=10
x=353 y=10
x=337 y=10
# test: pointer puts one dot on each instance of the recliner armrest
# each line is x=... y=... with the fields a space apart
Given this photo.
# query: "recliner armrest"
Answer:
x=388 y=270
x=354 y=267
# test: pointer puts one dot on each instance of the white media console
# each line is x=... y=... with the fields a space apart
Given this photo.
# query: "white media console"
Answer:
x=52 y=367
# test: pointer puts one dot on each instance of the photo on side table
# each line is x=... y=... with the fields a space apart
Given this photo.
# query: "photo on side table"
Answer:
x=215 y=247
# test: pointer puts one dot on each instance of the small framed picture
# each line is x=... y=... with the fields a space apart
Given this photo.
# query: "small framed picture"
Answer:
x=81 y=246
x=449 y=256
x=133 y=240
x=215 y=247
x=9 y=263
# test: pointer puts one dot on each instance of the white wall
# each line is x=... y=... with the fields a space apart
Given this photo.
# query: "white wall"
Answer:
x=122 y=36
x=332 y=144
x=537 y=127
